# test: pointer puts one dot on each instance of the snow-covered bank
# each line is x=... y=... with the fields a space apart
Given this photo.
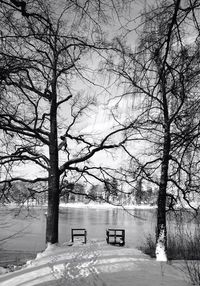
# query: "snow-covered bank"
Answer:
x=91 y=204
x=96 y=205
x=95 y=263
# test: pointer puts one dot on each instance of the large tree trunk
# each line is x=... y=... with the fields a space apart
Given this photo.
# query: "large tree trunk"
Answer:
x=53 y=203
x=53 y=190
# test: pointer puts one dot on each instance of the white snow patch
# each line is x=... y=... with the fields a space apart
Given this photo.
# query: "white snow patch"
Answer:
x=160 y=247
x=3 y=270
x=96 y=205
x=49 y=249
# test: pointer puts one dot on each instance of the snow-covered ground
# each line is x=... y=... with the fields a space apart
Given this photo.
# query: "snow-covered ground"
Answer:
x=91 y=204
x=95 y=264
x=96 y=205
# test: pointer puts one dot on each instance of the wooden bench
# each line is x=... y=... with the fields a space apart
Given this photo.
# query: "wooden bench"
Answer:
x=115 y=236
x=79 y=232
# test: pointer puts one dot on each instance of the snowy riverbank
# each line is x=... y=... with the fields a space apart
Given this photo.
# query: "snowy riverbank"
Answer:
x=95 y=263
x=96 y=205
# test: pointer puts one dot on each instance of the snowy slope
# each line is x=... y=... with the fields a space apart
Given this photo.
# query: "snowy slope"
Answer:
x=96 y=264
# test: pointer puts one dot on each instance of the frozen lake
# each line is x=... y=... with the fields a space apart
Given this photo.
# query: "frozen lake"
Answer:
x=27 y=229
x=30 y=226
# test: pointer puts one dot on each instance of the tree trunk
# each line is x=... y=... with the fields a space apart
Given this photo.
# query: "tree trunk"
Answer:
x=53 y=205
x=161 y=231
x=53 y=190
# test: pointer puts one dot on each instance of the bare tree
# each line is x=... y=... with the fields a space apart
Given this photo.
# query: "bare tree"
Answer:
x=43 y=101
x=162 y=77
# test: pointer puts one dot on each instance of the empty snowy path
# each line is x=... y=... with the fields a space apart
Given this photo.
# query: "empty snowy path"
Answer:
x=94 y=264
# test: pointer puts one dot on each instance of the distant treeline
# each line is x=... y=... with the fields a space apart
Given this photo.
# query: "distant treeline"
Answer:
x=109 y=191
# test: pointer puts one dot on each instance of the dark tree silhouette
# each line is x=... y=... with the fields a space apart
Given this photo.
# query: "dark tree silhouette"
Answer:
x=43 y=100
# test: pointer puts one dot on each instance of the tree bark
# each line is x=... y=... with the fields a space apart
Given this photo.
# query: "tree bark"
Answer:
x=54 y=177
x=161 y=230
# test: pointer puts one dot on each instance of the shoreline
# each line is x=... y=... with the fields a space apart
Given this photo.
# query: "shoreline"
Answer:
x=90 y=205
x=105 y=206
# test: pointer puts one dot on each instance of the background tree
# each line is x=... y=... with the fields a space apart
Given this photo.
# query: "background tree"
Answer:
x=111 y=190
x=93 y=193
x=139 y=192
